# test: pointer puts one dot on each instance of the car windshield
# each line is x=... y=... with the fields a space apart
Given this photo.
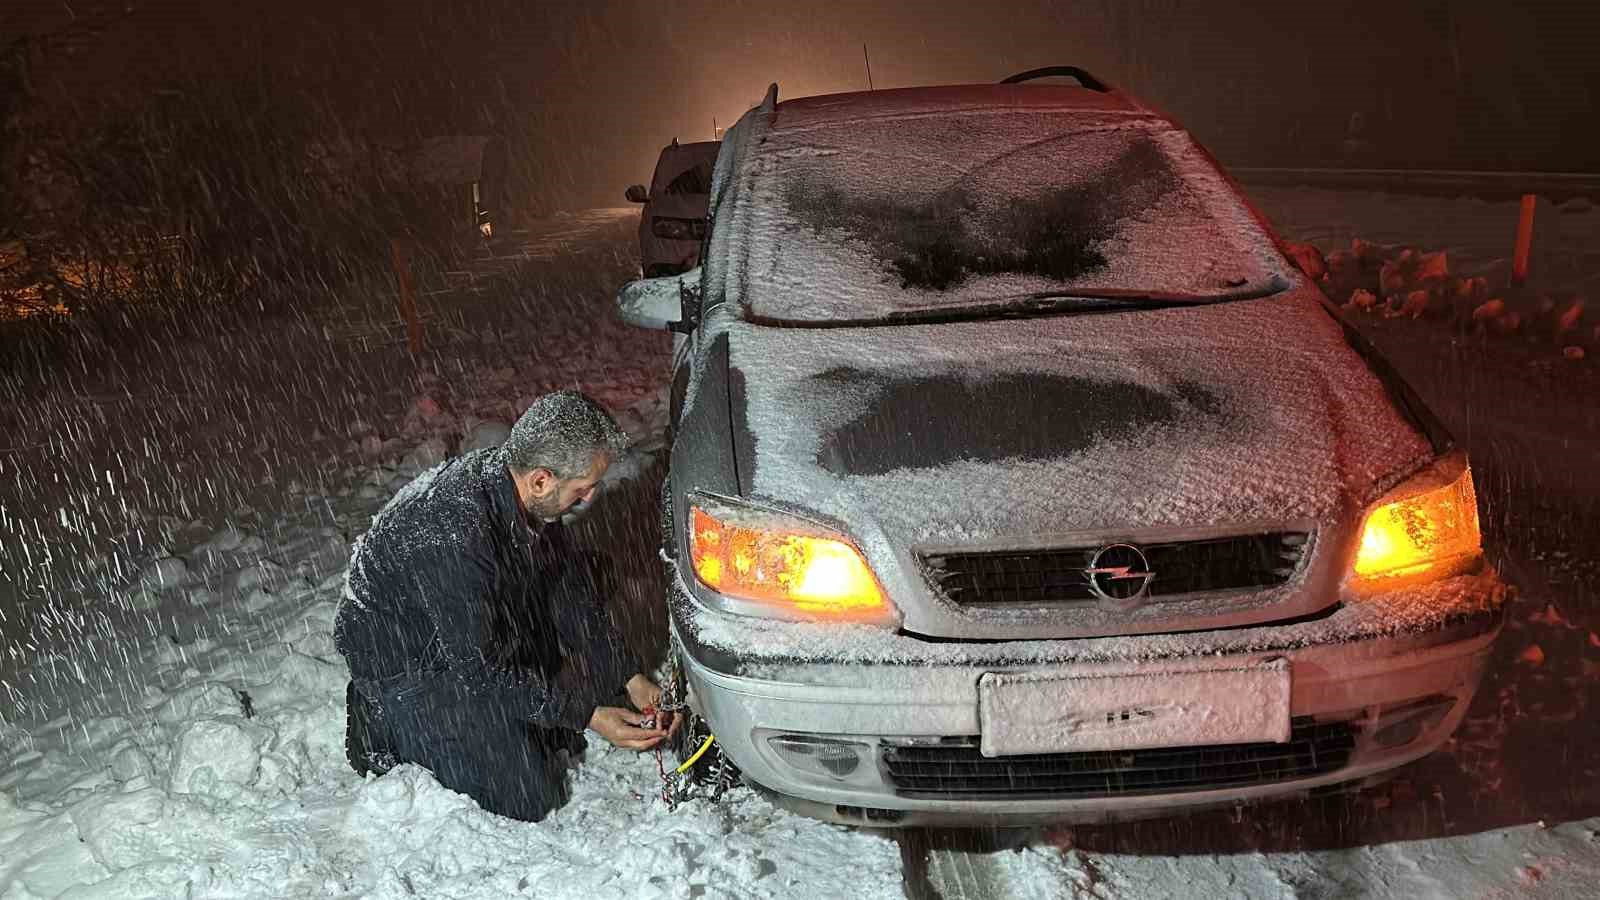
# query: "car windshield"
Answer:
x=974 y=213
x=696 y=180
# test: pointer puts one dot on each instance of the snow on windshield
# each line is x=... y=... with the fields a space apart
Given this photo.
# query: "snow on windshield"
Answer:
x=868 y=218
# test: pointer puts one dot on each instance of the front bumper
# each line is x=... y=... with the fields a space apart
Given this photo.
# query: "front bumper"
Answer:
x=1392 y=675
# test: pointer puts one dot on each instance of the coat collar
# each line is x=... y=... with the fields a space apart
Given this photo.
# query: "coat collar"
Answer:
x=508 y=506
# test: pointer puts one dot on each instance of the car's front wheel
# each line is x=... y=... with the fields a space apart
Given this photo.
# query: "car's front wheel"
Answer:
x=693 y=744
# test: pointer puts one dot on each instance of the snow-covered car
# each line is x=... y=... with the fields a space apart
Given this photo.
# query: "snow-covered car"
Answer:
x=673 y=221
x=1016 y=475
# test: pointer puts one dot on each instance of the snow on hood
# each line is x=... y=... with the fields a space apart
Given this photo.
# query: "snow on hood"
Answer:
x=948 y=433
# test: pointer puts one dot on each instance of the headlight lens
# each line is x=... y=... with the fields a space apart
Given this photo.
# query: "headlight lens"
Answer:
x=792 y=568
x=1429 y=523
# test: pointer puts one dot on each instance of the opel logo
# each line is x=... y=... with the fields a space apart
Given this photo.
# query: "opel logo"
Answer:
x=1120 y=576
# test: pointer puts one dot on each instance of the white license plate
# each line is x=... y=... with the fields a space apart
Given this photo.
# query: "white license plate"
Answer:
x=1057 y=713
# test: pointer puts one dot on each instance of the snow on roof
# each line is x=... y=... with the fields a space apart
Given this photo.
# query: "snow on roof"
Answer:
x=806 y=112
x=858 y=208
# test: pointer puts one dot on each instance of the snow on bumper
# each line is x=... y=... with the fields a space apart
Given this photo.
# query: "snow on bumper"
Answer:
x=1385 y=678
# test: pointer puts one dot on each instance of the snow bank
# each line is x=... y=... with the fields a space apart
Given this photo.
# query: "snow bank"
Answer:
x=265 y=807
x=1449 y=258
x=209 y=762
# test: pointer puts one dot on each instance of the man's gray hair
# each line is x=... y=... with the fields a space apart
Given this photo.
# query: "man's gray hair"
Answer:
x=562 y=432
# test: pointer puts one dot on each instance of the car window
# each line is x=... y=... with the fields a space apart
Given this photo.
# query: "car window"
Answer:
x=872 y=219
x=696 y=180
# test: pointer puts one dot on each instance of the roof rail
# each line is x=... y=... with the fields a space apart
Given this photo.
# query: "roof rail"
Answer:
x=769 y=103
x=1083 y=76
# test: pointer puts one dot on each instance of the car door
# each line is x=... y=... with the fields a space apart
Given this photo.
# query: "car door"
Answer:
x=685 y=343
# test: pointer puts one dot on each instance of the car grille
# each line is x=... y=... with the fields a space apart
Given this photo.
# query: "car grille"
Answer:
x=957 y=770
x=1057 y=576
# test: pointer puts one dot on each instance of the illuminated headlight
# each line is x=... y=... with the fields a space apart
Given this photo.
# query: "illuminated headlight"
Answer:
x=678 y=229
x=1427 y=526
x=781 y=566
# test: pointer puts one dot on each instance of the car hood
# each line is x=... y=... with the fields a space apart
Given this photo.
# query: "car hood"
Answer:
x=1212 y=416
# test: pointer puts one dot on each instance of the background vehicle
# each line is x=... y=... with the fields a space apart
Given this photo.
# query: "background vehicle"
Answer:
x=1018 y=476
x=673 y=221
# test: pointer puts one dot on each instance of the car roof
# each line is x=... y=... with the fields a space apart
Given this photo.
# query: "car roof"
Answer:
x=692 y=146
x=806 y=112
x=675 y=159
x=698 y=150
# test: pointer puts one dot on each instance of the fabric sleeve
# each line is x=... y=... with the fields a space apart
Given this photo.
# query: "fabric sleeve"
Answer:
x=589 y=635
x=456 y=593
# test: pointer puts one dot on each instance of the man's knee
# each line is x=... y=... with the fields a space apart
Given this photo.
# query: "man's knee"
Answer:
x=529 y=800
x=519 y=772
x=528 y=790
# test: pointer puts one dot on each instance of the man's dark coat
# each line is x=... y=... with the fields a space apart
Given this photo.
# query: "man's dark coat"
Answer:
x=477 y=643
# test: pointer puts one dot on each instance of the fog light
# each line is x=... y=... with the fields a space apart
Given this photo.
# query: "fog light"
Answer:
x=1402 y=724
x=818 y=755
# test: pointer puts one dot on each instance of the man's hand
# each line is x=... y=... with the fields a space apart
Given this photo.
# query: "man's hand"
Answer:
x=645 y=694
x=623 y=728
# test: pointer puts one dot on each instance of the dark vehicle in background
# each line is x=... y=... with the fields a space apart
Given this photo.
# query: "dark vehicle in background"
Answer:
x=1017 y=476
x=673 y=221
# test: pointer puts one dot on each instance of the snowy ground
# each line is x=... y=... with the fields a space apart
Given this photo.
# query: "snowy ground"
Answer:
x=171 y=716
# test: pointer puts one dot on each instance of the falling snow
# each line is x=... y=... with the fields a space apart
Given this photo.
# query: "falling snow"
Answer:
x=175 y=531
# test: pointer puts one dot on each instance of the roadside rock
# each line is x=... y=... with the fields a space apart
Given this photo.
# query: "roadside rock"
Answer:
x=1489 y=310
x=1471 y=292
x=227 y=540
x=265 y=573
x=1507 y=324
x=1415 y=304
x=1395 y=276
x=1432 y=268
x=1363 y=299
x=211 y=698
x=214 y=752
x=424 y=456
x=161 y=574
x=1370 y=255
x=1308 y=259
x=488 y=433
x=428 y=416
x=1567 y=321
x=129 y=762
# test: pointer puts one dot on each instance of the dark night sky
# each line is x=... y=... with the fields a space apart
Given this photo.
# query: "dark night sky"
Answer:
x=592 y=91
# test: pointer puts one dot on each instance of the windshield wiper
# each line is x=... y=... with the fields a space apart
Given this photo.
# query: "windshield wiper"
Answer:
x=1045 y=303
x=1071 y=303
x=1081 y=302
x=1134 y=297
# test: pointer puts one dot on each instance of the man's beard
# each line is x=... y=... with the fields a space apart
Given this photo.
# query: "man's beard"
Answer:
x=546 y=509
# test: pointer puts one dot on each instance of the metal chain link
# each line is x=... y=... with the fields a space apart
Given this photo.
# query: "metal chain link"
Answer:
x=676 y=786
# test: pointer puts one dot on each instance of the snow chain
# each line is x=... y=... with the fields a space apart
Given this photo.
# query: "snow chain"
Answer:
x=676 y=786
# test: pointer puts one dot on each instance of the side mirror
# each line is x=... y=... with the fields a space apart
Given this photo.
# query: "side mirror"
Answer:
x=636 y=193
x=657 y=302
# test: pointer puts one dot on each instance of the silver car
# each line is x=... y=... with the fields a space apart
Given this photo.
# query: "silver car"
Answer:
x=1017 y=476
x=673 y=219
